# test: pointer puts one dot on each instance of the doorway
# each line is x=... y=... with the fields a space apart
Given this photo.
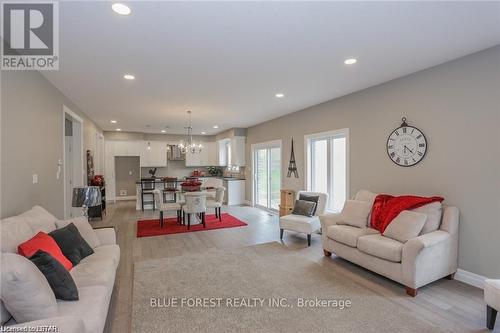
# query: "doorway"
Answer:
x=72 y=159
x=267 y=175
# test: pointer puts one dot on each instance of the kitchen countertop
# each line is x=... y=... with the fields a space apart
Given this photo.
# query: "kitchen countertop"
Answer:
x=160 y=180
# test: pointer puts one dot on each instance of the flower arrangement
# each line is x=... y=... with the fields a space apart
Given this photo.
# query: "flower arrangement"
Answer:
x=191 y=186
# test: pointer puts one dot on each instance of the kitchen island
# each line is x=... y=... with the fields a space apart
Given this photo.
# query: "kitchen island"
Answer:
x=234 y=194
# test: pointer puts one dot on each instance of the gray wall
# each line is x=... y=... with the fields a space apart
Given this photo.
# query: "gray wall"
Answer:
x=127 y=172
x=457 y=106
x=32 y=142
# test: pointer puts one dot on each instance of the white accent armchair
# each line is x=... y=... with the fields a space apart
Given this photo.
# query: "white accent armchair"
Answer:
x=492 y=299
x=304 y=224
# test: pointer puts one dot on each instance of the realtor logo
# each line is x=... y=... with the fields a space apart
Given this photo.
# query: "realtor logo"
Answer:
x=30 y=36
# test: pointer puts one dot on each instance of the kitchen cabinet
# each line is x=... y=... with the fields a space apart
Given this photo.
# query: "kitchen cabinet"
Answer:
x=153 y=154
x=237 y=151
x=212 y=158
x=235 y=192
x=222 y=150
x=195 y=159
x=207 y=156
x=231 y=151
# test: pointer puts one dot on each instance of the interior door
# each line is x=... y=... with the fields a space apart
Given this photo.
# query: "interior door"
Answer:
x=267 y=172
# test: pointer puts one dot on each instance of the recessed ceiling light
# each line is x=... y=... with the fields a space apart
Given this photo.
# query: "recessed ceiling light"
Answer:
x=163 y=131
x=203 y=132
x=350 y=61
x=216 y=126
x=121 y=8
x=118 y=129
x=128 y=77
x=113 y=121
x=280 y=95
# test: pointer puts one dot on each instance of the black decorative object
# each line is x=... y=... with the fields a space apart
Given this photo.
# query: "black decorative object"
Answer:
x=152 y=172
x=292 y=166
x=90 y=167
x=406 y=145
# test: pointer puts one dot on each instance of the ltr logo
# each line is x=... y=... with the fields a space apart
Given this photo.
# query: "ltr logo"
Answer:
x=29 y=36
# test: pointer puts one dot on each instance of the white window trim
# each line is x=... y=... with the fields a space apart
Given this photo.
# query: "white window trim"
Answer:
x=267 y=144
x=344 y=132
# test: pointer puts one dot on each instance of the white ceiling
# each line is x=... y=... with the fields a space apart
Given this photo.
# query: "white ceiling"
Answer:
x=225 y=61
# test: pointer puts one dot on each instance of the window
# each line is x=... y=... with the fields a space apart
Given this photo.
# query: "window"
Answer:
x=327 y=166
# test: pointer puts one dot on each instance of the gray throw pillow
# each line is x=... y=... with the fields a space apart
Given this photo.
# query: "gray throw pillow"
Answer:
x=72 y=244
x=57 y=276
x=303 y=207
x=312 y=198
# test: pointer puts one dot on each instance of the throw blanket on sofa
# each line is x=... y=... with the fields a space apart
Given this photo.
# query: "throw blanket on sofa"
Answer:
x=386 y=207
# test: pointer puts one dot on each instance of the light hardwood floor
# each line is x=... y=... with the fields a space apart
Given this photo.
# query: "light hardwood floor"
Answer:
x=450 y=305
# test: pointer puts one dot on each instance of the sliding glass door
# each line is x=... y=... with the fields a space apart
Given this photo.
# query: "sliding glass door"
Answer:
x=267 y=175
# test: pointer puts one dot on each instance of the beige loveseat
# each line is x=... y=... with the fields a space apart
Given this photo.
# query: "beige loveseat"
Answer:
x=94 y=276
x=419 y=261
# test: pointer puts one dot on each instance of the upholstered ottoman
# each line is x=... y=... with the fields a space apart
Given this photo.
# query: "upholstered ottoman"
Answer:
x=492 y=299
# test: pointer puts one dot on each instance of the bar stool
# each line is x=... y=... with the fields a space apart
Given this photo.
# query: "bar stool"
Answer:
x=170 y=187
x=148 y=188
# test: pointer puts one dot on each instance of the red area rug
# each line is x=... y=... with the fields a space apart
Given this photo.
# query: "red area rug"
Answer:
x=146 y=228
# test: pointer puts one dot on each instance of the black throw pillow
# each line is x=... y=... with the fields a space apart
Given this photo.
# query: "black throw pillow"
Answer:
x=59 y=278
x=72 y=244
x=312 y=198
x=303 y=207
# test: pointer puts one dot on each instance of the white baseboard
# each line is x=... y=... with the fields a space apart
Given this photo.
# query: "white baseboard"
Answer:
x=248 y=203
x=129 y=197
x=473 y=279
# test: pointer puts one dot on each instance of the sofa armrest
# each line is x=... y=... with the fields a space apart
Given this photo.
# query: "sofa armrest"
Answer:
x=428 y=258
x=63 y=324
x=106 y=235
x=329 y=219
x=415 y=245
x=451 y=219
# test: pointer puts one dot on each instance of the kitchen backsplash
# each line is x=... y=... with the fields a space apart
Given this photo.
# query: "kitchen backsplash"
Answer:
x=178 y=169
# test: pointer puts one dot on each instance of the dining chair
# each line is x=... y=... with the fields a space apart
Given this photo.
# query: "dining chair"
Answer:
x=148 y=188
x=166 y=207
x=217 y=201
x=195 y=203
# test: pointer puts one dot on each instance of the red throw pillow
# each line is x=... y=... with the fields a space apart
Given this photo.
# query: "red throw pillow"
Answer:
x=42 y=241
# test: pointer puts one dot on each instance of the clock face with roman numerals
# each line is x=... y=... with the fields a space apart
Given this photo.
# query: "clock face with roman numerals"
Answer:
x=406 y=146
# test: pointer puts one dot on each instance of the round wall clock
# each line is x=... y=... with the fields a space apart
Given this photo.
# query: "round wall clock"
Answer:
x=406 y=145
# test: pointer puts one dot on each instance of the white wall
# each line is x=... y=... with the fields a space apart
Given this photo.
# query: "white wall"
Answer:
x=32 y=142
x=457 y=106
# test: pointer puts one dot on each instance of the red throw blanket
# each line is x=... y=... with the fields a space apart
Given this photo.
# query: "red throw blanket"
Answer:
x=387 y=207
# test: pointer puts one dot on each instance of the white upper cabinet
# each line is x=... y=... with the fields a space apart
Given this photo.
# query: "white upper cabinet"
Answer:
x=153 y=154
x=222 y=147
x=193 y=159
x=212 y=158
x=237 y=151
x=207 y=156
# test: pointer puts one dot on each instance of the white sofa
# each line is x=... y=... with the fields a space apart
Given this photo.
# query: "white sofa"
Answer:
x=94 y=275
x=419 y=261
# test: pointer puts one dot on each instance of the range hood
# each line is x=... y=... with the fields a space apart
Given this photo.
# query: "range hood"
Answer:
x=175 y=153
